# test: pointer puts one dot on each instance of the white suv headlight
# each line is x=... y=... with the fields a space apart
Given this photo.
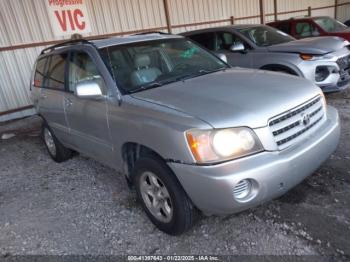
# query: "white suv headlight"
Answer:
x=217 y=145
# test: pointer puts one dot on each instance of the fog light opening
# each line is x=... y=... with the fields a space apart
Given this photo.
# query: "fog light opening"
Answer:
x=244 y=190
x=322 y=72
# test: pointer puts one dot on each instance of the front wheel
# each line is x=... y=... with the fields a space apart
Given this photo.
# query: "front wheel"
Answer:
x=162 y=197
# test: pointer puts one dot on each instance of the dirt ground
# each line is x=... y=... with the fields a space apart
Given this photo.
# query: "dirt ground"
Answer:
x=81 y=207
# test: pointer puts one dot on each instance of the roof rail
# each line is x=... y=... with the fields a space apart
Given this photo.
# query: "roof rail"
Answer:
x=298 y=17
x=152 y=32
x=67 y=43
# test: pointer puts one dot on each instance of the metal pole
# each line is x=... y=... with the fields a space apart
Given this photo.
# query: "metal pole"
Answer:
x=275 y=10
x=335 y=9
x=262 y=12
x=309 y=11
x=167 y=15
x=232 y=18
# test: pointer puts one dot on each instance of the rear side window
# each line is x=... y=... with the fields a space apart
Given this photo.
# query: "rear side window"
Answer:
x=40 y=72
x=284 y=27
x=305 y=29
x=207 y=40
x=55 y=73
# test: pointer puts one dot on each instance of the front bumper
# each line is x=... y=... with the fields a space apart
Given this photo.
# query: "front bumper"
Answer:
x=338 y=78
x=211 y=187
x=338 y=86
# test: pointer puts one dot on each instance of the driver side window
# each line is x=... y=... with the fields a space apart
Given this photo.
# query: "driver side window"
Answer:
x=226 y=40
x=82 y=68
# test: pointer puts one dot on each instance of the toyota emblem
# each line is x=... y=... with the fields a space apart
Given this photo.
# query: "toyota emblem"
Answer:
x=305 y=119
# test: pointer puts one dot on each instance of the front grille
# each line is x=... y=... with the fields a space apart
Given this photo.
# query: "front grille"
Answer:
x=297 y=122
x=344 y=62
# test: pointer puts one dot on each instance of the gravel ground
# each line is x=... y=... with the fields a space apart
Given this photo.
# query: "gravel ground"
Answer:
x=81 y=207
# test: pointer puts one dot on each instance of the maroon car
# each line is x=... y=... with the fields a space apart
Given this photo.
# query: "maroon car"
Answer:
x=312 y=26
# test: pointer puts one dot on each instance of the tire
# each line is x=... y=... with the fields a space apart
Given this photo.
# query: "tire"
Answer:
x=58 y=152
x=175 y=212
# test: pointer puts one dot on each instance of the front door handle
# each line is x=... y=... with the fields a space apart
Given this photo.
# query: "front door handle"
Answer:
x=68 y=102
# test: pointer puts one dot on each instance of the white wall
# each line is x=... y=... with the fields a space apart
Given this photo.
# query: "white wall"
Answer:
x=343 y=11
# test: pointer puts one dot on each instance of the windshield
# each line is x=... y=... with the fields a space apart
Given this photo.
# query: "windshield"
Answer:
x=329 y=24
x=265 y=35
x=140 y=66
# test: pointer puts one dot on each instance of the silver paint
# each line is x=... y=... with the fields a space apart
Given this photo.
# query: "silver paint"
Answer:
x=288 y=55
x=158 y=119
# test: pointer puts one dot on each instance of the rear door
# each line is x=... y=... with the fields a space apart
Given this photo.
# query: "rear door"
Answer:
x=87 y=117
x=51 y=101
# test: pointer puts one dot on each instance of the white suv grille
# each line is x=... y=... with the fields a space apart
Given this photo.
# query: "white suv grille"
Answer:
x=297 y=122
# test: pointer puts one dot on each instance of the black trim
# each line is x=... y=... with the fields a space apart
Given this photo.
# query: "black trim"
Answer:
x=152 y=32
x=67 y=43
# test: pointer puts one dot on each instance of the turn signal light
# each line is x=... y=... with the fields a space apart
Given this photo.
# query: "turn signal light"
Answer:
x=306 y=57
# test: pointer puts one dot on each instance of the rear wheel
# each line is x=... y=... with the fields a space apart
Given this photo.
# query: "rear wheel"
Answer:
x=56 y=150
x=162 y=197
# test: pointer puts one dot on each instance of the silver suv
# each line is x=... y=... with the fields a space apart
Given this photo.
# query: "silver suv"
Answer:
x=189 y=132
x=323 y=60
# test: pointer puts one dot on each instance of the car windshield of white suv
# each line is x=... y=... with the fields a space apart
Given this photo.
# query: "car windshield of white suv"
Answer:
x=151 y=64
x=330 y=25
x=265 y=36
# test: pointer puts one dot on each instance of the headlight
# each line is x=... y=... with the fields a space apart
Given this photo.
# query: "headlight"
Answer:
x=208 y=146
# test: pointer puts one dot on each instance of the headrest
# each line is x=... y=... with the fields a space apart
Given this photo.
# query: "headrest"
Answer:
x=142 y=60
x=90 y=67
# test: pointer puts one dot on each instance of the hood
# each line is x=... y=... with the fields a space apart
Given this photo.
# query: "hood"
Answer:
x=312 y=45
x=235 y=97
x=344 y=34
x=345 y=31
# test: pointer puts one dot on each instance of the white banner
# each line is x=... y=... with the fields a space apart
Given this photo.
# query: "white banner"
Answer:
x=68 y=17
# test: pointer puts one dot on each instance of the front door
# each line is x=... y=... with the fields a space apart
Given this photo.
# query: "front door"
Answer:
x=225 y=40
x=87 y=117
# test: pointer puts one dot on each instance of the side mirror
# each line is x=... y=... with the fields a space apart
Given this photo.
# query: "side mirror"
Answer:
x=222 y=57
x=88 y=89
x=237 y=47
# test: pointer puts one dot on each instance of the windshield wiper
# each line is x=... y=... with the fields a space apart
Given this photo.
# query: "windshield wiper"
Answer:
x=198 y=73
x=205 y=72
x=180 y=78
x=146 y=87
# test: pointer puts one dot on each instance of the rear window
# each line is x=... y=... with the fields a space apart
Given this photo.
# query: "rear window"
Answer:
x=40 y=72
x=55 y=73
